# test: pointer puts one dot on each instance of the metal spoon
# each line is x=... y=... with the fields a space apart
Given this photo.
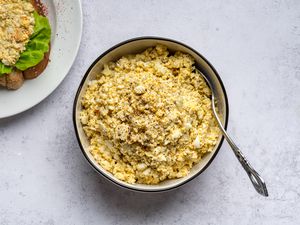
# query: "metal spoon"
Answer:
x=256 y=179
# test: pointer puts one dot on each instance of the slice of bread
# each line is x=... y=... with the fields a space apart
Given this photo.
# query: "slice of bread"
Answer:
x=15 y=79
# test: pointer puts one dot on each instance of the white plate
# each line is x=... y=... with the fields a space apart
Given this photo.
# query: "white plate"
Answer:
x=66 y=23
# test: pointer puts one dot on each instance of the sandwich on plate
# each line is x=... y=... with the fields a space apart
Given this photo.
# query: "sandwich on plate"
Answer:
x=25 y=35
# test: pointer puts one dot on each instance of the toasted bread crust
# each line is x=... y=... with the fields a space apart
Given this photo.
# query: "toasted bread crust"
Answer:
x=14 y=80
x=38 y=6
x=35 y=71
x=3 y=81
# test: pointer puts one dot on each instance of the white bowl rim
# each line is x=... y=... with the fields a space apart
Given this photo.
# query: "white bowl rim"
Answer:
x=82 y=84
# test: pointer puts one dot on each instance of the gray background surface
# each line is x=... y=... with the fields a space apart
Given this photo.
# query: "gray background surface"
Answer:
x=254 y=45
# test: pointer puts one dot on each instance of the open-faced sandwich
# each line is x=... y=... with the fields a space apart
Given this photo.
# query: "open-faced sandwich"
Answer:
x=25 y=35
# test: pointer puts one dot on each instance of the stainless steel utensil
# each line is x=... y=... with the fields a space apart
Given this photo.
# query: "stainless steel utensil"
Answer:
x=256 y=179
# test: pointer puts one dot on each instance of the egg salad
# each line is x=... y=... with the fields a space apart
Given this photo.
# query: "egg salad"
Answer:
x=16 y=27
x=148 y=116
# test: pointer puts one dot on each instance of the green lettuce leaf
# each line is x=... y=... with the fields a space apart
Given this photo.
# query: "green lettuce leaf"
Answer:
x=4 y=69
x=38 y=44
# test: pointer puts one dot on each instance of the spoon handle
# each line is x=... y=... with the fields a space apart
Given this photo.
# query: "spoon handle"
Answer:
x=257 y=181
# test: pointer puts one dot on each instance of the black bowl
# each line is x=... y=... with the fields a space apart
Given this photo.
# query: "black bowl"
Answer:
x=137 y=45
